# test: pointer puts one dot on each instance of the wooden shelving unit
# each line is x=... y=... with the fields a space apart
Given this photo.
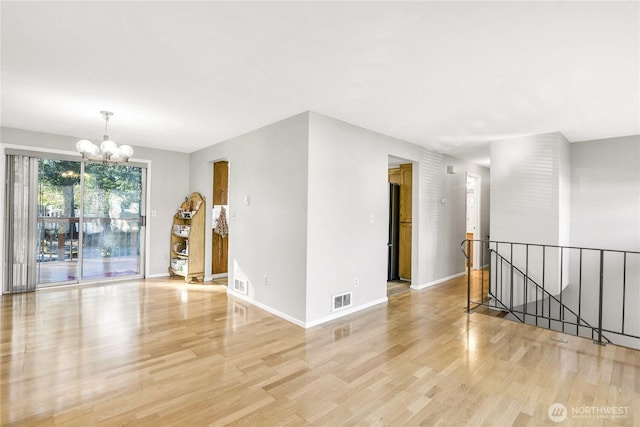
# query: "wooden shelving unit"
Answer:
x=187 y=239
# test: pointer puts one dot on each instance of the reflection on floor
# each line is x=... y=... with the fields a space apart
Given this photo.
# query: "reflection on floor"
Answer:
x=219 y=281
x=161 y=352
x=397 y=286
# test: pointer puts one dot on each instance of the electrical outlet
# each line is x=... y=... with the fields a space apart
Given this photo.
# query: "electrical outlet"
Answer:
x=355 y=282
x=266 y=281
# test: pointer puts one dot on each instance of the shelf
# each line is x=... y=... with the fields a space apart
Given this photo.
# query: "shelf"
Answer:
x=191 y=230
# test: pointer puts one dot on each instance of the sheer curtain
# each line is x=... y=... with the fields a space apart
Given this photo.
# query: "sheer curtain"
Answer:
x=20 y=227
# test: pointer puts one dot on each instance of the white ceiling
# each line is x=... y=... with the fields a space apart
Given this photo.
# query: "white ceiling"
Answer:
x=450 y=76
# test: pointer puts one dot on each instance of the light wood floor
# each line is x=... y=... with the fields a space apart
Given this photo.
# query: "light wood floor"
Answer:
x=159 y=352
x=397 y=286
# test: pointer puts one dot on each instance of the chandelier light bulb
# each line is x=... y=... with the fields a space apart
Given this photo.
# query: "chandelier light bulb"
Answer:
x=125 y=151
x=84 y=146
x=109 y=147
x=94 y=150
x=108 y=150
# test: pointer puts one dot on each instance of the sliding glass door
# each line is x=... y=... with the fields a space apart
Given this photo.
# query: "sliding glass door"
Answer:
x=112 y=221
x=57 y=225
x=87 y=221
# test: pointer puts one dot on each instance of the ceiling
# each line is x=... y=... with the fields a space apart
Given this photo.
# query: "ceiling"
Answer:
x=451 y=76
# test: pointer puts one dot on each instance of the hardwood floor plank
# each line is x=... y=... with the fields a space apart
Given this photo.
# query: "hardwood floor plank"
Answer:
x=160 y=352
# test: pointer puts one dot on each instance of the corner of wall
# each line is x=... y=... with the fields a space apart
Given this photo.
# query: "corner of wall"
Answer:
x=267 y=235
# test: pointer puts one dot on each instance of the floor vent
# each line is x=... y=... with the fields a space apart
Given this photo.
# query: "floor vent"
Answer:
x=341 y=301
x=240 y=286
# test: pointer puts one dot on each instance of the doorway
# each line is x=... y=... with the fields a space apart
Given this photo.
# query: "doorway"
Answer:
x=220 y=230
x=472 y=189
x=70 y=222
x=399 y=244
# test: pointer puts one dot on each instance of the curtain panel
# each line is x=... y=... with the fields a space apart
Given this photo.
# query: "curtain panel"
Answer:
x=20 y=227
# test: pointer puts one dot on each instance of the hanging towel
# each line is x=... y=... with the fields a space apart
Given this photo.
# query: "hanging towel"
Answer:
x=222 y=228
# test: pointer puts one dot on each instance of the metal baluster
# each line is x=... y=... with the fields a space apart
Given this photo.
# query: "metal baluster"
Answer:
x=526 y=282
x=511 y=280
x=599 y=342
x=493 y=273
x=482 y=272
x=537 y=299
x=544 y=259
x=624 y=286
x=468 y=277
x=560 y=307
x=501 y=279
x=579 y=297
x=498 y=272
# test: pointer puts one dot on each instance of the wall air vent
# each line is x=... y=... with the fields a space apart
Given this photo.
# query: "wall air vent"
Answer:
x=341 y=301
x=240 y=286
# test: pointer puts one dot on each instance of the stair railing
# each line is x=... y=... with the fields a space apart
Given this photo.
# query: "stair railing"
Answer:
x=613 y=275
x=580 y=322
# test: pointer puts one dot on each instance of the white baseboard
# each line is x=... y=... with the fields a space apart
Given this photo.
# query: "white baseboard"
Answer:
x=435 y=282
x=156 y=275
x=346 y=312
x=298 y=322
x=271 y=310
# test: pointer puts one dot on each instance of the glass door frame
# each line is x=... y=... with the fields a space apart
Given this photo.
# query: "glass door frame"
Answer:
x=41 y=152
x=142 y=241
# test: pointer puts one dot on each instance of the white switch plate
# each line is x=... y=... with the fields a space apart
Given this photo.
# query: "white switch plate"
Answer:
x=372 y=219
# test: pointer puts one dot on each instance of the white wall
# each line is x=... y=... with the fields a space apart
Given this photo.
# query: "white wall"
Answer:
x=348 y=183
x=530 y=198
x=605 y=195
x=268 y=236
x=169 y=186
x=314 y=183
x=527 y=202
x=605 y=213
x=443 y=213
x=597 y=188
x=564 y=191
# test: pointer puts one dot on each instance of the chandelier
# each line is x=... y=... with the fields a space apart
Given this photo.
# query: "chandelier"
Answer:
x=108 y=152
